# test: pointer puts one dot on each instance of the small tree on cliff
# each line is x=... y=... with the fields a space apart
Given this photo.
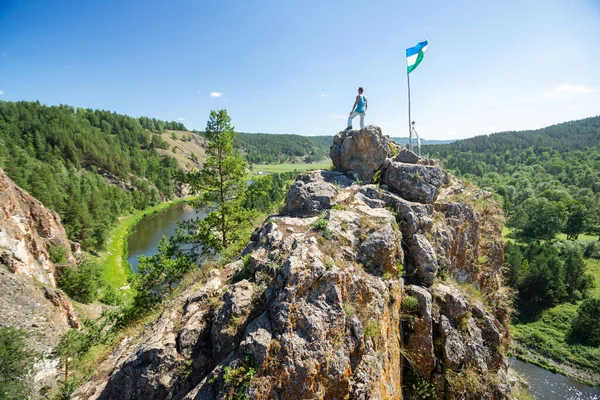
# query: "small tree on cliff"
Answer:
x=222 y=186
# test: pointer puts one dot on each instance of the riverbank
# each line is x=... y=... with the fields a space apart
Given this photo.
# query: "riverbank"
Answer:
x=115 y=268
x=530 y=356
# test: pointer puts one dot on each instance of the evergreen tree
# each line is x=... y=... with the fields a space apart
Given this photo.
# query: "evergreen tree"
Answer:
x=16 y=362
x=222 y=186
x=158 y=274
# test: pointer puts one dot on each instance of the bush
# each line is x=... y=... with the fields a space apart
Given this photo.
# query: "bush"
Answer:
x=585 y=328
x=410 y=304
x=58 y=254
x=81 y=284
x=592 y=250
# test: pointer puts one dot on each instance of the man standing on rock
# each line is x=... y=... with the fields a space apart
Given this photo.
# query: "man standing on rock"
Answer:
x=359 y=108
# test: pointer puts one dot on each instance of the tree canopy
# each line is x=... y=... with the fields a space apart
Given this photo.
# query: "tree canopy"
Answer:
x=88 y=165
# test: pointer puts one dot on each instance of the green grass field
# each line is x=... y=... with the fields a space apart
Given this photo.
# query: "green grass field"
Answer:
x=288 y=167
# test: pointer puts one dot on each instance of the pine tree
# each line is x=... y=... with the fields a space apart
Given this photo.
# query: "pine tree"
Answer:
x=222 y=186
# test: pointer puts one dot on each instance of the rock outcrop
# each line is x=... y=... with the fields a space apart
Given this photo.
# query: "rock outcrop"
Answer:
x=355 y=291
x=28 y=295
x=361 y=152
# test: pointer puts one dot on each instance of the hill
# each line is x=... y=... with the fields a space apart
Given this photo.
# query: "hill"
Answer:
x=264 y=148
x=186 y=147
x=402 y=141
x=84 y=164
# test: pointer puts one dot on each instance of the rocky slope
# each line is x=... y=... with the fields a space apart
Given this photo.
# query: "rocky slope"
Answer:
x=362 y=291
x=28 y=295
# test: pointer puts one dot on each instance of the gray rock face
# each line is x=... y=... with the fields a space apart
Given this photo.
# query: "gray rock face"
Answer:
x=420 y=337
x=360 y=152
x=382 y=251
x=314 y=192
x=422 y=259
x=230 y=320
x=414 y=182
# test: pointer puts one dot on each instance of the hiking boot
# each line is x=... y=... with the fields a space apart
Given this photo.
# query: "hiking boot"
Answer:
x=348 y=128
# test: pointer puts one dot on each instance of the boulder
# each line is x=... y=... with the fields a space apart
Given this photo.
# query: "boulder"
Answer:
x=381 y=250
x=407 y=156
x=311 y=194
x=414 y=182
x=422 y=259
x=361 y=153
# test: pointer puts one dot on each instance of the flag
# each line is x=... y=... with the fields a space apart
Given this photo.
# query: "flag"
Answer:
x=414 y=55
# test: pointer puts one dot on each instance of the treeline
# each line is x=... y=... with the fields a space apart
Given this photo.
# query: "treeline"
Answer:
x=263 y=148
x=549 y=179
x=65 y=158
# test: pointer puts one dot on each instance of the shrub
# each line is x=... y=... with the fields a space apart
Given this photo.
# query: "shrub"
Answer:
x=58 y=254
x=410 y=304
x=238 y=379
x=585 y=328
x=81 y=284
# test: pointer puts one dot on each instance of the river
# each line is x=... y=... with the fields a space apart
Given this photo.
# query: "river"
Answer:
x=548 y=385
x=147 y=233
x=145 y=236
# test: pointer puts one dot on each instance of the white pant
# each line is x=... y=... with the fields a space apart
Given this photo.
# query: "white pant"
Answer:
x=362 y=119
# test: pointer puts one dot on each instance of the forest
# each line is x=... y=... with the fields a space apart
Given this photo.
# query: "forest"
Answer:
x=64 y=157
x=264 y=148
x=548 y=183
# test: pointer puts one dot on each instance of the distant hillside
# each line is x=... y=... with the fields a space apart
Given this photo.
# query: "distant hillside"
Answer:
x=85 y=163
x=402 y=141
x=264 y=148
x=559 y=164
x=573 y=135
x=186 y=147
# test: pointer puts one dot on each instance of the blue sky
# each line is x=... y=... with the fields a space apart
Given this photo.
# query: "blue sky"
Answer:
x=294 y=66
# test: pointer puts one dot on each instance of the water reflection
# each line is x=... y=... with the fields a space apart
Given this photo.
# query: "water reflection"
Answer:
x=147 y=233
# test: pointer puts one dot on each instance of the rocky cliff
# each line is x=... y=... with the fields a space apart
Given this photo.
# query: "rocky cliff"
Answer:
x=386 y=290
x=28 y=295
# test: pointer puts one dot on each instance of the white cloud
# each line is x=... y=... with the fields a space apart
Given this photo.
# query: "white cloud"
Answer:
x=322 y=94
x=181 y=119
x=338 y=116
x=216 y=94
x=1 y=92
x=567 y=90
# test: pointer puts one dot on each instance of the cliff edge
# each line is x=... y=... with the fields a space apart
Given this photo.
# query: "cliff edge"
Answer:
x=380 y=280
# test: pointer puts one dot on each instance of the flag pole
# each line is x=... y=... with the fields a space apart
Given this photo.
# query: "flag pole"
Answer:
x=409 y=126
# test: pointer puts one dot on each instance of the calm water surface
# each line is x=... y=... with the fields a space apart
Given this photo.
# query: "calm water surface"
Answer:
x=547 y=385
x=147 y=233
